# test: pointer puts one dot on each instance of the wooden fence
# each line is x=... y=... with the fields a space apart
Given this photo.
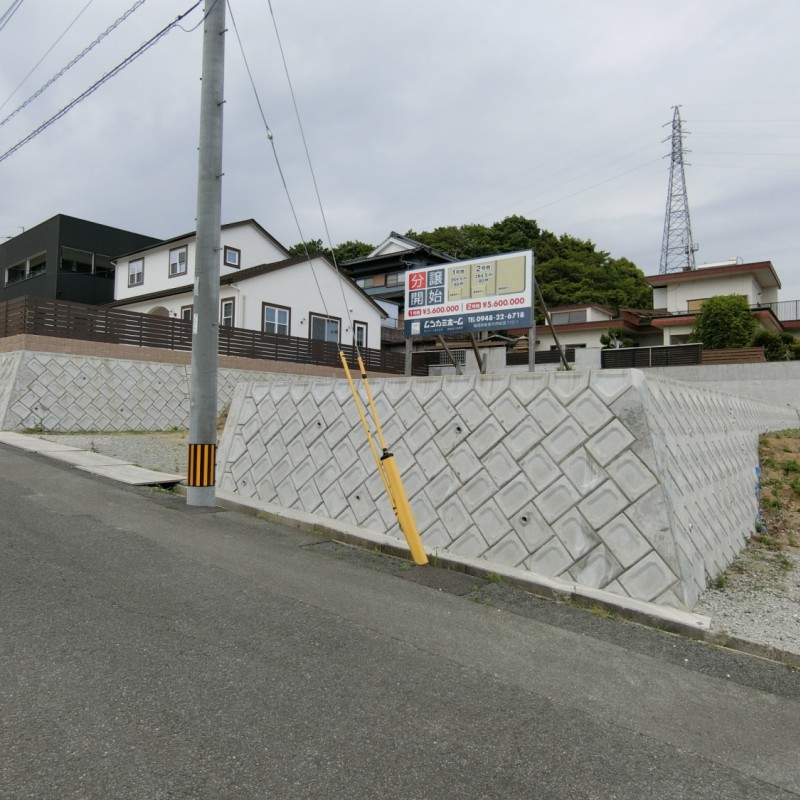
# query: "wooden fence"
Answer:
x=642 y=357
x=45 y=317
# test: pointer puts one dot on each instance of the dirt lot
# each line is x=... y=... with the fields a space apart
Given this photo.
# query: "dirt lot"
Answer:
x=779 y=454
x=774 y=548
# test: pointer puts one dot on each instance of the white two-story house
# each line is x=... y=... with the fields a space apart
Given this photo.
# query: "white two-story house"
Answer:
x=262 y=287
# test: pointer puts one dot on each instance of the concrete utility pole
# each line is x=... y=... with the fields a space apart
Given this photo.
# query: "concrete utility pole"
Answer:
x=205 y=318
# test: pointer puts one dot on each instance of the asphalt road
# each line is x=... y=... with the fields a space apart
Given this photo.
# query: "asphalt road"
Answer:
x=153 y=650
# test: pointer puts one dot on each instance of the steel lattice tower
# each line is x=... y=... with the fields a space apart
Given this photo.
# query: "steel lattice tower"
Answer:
x=677 y=246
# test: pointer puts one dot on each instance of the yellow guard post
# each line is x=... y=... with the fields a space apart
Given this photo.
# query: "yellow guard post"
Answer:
x=387 y=468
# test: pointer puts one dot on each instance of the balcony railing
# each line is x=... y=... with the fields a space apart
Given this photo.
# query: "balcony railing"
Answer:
x=784 y=310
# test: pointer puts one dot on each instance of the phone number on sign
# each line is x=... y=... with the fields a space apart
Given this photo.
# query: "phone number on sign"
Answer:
x=500 y=316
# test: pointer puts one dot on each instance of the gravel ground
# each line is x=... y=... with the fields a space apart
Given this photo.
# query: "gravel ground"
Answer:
x=760 y=599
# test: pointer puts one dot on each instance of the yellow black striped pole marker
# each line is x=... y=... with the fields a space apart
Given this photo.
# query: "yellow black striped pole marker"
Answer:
x=202 y=462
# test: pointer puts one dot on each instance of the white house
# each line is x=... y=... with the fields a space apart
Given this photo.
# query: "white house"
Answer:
x=680 y=295
x=262 y=288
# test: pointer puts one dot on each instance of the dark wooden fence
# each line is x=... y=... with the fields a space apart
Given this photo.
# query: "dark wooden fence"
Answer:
x=44 y=317
x=541 y=357
x=642 y=357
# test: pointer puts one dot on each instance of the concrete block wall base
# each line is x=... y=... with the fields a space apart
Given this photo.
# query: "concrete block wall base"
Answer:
x=642 y=487
x=72 y=392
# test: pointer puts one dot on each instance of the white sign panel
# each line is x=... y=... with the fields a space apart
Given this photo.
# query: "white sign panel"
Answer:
x=493 y=293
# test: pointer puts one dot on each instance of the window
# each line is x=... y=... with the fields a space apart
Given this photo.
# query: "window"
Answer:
x=136 y=272
x=226 y=317
x=73 y=260
x=568 y=317
x=360 y=334
x=17 y=273
x=232 y=257
x=37 y=265
x=275 y=319
x=325 y=329
x=187 y=312
x=396 y=279
x=366 y=283
x=177 y=261
x=696 y=305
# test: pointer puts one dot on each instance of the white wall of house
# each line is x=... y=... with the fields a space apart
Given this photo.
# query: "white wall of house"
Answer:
x=253 y=248
x=301 y=290
x=679 y=295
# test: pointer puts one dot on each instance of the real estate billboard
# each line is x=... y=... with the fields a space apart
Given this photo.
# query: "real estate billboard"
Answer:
x=493 y=293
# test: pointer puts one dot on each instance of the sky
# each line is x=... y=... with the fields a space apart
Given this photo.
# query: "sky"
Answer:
x=417 y=115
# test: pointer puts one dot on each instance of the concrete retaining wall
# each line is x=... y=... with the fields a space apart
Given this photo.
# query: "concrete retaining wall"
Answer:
x=773 y=382
x=637 y=485
x=71 y=392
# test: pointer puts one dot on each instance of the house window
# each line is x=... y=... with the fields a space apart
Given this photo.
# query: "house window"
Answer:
x=232 y=257
x=366 y=283
x=187 y=312
x=360 y=334
x=136 y=272
x=275 y=319
x=177 y=261
x=73 y=260
x=568 y=317
x=325 y=329
x=17 y=273
x=396 y=279
x=696 y=305
x=226 y=318
x=37 y=265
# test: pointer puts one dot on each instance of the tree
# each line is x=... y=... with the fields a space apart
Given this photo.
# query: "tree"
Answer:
x=310 y=247
x=343 y=252
x=351 y=249
x=569 y=270
x=725 y=321
x=616 y=338
x=777 y=346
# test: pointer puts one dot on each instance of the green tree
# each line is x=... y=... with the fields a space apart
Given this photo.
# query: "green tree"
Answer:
x=616 y=338
x=725 y=321
x=777 y=346
x=569 y=270
x=344 y=252
x=351 y=249
x=311 y=246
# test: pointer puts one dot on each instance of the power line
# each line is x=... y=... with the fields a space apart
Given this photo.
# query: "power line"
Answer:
x=71 y=64
x=95 y=86
x=49 y=50
x=9 y=12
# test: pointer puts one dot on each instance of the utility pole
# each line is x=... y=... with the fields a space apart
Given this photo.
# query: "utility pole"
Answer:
x=201 y=489
x=677 y=246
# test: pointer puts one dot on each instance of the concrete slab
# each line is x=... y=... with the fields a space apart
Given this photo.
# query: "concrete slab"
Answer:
x=33 y=443
x=84 y=458
x=128 y=473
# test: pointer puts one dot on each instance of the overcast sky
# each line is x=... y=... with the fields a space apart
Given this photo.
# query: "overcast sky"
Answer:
x=421 y=114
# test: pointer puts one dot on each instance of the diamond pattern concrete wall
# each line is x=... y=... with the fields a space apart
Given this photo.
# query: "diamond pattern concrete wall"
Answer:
x=60 y=392
x=643 y=487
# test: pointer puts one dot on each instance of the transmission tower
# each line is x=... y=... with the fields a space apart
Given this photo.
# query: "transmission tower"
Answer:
x=677 y=246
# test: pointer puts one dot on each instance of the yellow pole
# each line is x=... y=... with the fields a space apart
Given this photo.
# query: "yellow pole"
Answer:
x=402 y=509
x=387 y=467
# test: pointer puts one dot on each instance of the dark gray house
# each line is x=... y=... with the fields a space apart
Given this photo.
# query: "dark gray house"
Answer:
x=65 y=258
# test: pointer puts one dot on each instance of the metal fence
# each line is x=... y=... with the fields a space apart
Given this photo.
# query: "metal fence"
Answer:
x=45 y=317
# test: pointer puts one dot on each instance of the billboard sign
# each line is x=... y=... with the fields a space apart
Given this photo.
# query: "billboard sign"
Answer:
x=493 y=293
